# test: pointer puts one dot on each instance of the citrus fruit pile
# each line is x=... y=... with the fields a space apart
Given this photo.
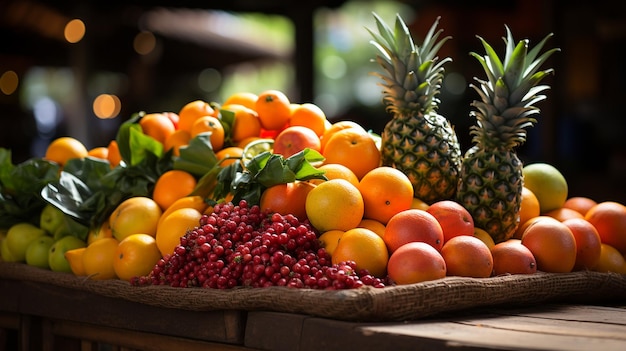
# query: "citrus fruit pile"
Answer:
x=333 y=218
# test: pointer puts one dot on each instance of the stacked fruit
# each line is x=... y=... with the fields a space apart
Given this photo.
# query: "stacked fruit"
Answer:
x=261 y=191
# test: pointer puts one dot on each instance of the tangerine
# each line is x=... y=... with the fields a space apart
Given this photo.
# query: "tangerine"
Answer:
x=158 y=126
x=229 y=155
x=176 y=140
x=174 y=226
x=580 y=203
x=330 y=239
x=334 y=171
x=246 y=124
x=484 y=236
x=63 y=149
x=214 y=126
x=288 y=198
x=99 y=152
x=337 y=126
x=386 y=191
x=273 y=108
x=193 y=110
x=373 y=225
x=365 y=248
x=98 y=259
x=609 y=218
x=563 y=213
x=309 y=115
x=529 y=208
x=113 y=155
x=353 y=149
x=135 y=256
x=171 y=186
x=611 y=260
x=244 y=98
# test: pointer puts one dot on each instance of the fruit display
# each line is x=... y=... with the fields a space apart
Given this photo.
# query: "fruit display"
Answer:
x=260 y=191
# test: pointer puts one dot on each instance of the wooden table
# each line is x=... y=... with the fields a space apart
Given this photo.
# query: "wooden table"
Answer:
x=39 y=316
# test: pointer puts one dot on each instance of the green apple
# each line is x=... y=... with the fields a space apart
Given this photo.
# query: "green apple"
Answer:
x=51 y=219
x=56 y=254
x=19 y=237
x=37 y=252
x=7 y=256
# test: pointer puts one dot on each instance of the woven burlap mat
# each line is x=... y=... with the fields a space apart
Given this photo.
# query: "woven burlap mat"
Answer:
x=394 y=303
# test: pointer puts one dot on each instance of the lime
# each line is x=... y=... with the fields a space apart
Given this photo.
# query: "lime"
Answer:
x=255 y=148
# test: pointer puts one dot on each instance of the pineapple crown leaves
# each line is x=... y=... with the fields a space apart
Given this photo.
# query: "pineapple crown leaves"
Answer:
x=413 y=74
x=510 y=92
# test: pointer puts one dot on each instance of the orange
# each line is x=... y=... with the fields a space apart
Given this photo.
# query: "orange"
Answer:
x=365 y=248
x=353 y=149
x=244 y=98
x=337 y=126
x=484 y=236
x=529 y=208
x=193 y=110
x=415 y=262
x=246 y=124
x=547 y=183
x=289 y=198
x=100 y=152
x=335 y=171
x=309 y=115
x=75 y=259
x=138 y=214
x=373 y=225
x=609 y=218
x=611 y=260
x=334 y=204
x=587 y=243
x=522 y=227
x=454 y=219
x=274 y=109
x=174 y=226
x=511 y=257
x=158 y=126
x=229 y=154
x=135 y=256
x=214 y=126
x=64 y=149
x=98 y=259
x=114 y=156
x=171 y=186
x=419 y=204
x=467 y=256
x=100 y=232
x=176 y=140
x=580 y=203
x=386 y=191
x=413 y=225
x=330 y=239
x=552 y=243
x=563 y=213
x=192 y=201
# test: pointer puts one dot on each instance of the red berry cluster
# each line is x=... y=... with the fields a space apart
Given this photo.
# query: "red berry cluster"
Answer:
x=238 y=245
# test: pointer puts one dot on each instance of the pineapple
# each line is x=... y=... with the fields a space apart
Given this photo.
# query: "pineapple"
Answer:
x=491 y=181
x=417 y=140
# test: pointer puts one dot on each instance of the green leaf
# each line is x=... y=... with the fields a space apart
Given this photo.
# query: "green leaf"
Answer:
x=198 y=157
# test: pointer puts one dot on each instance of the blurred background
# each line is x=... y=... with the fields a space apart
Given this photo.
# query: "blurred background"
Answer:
x=81 y=68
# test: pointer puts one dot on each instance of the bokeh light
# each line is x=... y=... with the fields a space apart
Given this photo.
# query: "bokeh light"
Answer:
x=9 y=82
x=74 y=31
x=107 y=106
x=144 y=43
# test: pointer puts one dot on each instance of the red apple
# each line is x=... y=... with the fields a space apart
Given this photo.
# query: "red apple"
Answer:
x=294 y=139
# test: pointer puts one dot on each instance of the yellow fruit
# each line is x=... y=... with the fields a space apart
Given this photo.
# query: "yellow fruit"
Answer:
x=103 y=231
x=98 y=259
x=64 y=149
x=174 y=226
x=192 y=201
x=334 y=204
x=330 y=239
x=135 y=215
x=365 y=248
x=135 y=256
x=75 y=259
x=548 y=185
